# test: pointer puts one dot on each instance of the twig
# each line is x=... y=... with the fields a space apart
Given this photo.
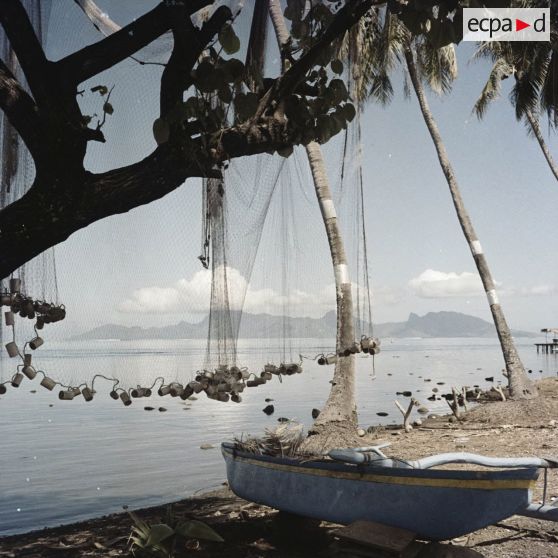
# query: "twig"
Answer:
x=499 y=390
x=406 y=414
x=454 y=405
x=464 y=395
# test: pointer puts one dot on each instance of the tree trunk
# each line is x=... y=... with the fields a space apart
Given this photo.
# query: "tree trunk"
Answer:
x=520 y=385
x=546 y=152
x=336 y=424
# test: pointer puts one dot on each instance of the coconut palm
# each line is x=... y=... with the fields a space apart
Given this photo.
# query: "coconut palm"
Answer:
x=534 y=67
x=336 y=424
x=387 y=43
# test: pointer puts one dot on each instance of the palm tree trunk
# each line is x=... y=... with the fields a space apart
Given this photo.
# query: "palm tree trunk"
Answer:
x=336 y=425
x=520 y=385
x=546 y=152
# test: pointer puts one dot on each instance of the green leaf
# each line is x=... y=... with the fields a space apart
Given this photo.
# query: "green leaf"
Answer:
x=207 y=77
x=161 y=131
x=337 y=91
x=245 y=105
x=349 y=112
x=299 y=29
x=233 y=69
x=102 y=89
x=337 y=66
x=286 y=152
x=158 y=533
x=228 y=39
x=225 y=94
x=197 y=530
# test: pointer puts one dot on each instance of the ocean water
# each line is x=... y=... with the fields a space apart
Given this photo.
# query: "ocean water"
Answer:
x=64 y=461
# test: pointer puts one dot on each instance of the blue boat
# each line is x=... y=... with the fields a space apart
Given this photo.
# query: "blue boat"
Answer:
x=364 y=484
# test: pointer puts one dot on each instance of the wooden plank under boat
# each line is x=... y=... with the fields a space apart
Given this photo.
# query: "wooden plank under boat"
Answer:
x=436 y=504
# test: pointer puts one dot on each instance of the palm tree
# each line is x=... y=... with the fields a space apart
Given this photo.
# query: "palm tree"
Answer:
x=387 y=43
x=336 y=424
x=534 y=66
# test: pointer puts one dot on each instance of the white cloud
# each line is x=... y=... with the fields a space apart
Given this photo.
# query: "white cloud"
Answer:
x=193 y=296
x=441 y=284
x=538 y=290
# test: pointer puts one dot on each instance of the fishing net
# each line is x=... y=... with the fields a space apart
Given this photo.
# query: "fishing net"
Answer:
x=264 y=254
x=17 y=171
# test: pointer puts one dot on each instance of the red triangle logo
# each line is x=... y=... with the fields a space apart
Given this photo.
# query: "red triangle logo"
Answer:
x=520 y=25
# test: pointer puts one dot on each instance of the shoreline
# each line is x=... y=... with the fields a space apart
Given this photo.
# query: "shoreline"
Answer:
x=509 y=428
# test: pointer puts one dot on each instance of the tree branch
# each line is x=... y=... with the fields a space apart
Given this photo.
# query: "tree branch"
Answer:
x=66 y=198
x=26 y=45
x=345 y=18
x=188 y=46
x=95 y=58
x=20 y=109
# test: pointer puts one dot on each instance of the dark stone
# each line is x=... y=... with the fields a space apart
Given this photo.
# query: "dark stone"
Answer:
x=315 y=413
x=269 y=410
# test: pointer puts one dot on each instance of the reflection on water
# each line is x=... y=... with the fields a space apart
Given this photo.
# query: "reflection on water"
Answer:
x=64 y=461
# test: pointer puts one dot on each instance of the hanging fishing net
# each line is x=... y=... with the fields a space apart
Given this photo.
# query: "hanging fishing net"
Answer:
x=35 y=284
x=263 y=253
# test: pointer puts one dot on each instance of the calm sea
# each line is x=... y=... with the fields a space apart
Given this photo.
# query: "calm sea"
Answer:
x=64 y=461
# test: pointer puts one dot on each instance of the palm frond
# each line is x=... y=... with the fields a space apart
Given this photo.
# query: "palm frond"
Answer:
x=491 y=91
x=438 y=66
x=549 y=98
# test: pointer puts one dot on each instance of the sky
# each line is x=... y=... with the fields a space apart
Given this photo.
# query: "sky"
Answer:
x=141 y=268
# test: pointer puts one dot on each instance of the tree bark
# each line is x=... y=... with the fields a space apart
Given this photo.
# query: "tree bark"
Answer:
x=546 y=152
x=520 y=385
x=336 y=424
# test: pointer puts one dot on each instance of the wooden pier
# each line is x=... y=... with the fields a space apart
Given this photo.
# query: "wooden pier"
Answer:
x=548 y=347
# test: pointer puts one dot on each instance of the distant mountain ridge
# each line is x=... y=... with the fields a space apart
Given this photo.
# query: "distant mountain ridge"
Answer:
x=432 y=324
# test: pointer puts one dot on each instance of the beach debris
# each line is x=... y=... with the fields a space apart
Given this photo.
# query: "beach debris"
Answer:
x=162 y=409
x=283 y=419
x=315 y=413
x=149 y=408
x=283 y=440
x=160 y=539
x=382 y=414
x=407 y=413
x=207 y=446
x=269 y=410
x=361 y=432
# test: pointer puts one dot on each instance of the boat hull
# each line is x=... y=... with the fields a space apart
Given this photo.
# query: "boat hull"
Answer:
x=434 y=504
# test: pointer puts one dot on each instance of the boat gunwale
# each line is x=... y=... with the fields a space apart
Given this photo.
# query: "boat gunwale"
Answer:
x=361 y=471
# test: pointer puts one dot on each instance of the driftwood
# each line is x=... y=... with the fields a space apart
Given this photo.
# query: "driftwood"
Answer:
x=500 y=391
x=454 y=405
x=407 y=413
